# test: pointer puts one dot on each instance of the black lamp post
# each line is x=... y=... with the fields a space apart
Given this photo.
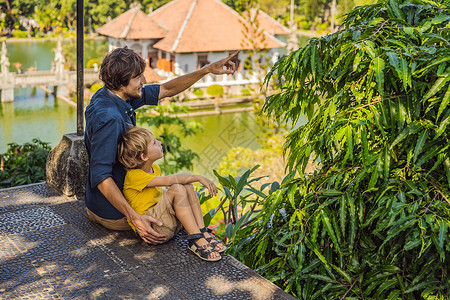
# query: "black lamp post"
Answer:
x=80 y=66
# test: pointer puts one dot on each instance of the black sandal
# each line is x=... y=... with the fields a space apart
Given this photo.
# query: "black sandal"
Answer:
x=213 y=240
x=198 y=250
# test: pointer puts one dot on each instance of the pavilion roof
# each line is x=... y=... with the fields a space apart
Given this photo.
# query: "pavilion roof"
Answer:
x=185 y=26
x=133 y=24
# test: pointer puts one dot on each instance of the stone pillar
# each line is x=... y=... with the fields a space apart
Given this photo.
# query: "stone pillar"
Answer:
x=7 y=95
x=67 y=166
x=62 y=91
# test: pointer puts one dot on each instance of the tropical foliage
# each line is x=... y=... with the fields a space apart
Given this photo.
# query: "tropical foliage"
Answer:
x=23 y=164
x=372 y=221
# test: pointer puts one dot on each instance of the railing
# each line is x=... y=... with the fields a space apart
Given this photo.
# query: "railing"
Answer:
x=36 y=78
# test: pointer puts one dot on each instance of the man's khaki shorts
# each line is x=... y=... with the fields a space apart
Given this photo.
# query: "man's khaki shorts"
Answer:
x=163 y=211
x=119 y=224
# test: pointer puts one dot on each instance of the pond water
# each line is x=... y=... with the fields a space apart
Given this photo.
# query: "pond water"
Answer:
x=33 y=114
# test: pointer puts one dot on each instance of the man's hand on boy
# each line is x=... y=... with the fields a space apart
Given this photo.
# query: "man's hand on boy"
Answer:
x=212 y=189
x=146 y=232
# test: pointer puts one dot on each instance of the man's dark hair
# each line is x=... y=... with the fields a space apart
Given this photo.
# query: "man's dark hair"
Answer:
x=119 y=67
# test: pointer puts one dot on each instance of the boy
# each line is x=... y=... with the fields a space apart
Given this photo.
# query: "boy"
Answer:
x=138 y=149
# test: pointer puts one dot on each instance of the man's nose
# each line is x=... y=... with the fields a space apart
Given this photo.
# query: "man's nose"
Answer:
x=143 y=80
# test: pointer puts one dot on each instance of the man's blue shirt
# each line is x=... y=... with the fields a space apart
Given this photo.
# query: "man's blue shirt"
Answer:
x=107 y=118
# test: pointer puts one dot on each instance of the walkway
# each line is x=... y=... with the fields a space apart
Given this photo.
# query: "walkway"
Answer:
x=50 y=250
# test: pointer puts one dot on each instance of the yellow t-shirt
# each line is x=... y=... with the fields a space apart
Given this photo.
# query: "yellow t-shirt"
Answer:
x=135 y=190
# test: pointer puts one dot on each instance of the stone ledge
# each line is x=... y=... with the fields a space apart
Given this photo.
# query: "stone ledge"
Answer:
x=62 y=255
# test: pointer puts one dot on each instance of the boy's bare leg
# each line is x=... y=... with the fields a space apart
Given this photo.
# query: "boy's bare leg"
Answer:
x=195 y=205
x=197 y=211
x=178 y=197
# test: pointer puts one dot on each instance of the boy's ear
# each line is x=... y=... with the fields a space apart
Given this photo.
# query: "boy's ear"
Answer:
x=143 y=157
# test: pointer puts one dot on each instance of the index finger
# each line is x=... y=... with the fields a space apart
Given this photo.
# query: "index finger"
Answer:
x=233 y=55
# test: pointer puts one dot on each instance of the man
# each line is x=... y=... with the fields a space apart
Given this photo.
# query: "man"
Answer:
x=109 y=114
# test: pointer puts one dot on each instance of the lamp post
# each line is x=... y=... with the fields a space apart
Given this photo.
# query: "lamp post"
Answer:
x=80 y=66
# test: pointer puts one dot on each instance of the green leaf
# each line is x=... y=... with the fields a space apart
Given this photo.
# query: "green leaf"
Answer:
x=444 y=103
x=442 y=127
x=357 y=60
x=394 y=295
x=208 y=217
x=229 y=230
x=343 y=273
x=317 y=252
x=412 y=128
x=330 y=192
x=394 y=231
x=259 y=193
x=442 y=237
x=419 y=145
x=242 y=182
x=422 y=285
x=329 y=229
x=352 y=216
x=378 y=66
x=437 y=86
x=394 y=61
x=396 y=9
x=223 y=180
x=406 y=76
x=239 y=223
x=387 y=163
x=387 y=284
x=430 y=154
x=343 y=215
x=447 y=169
x=275 y=186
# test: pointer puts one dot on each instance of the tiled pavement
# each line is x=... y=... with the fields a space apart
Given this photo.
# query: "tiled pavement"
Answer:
x=50 y=250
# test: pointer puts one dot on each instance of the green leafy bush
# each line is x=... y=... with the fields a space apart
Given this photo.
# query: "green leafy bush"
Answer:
x=372 y=221
x=24 y=164
x=245 y=92
x=198 y=92
x=239 y=203
x=20 y=34
x=92 y=61
x=95 y=87
x=215 y=90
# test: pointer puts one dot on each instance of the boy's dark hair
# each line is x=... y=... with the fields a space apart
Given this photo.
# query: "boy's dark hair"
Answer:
x=119 y=67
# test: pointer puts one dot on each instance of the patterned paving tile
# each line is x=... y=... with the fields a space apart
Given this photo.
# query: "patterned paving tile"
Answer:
x=69 y=212
x=49 y=242
x=38 y=289
x=213 y=280
x=28 y=196
x=18 y=279
x=91 y=273
x=29 y=220
x=160 y=288
x=8 y=251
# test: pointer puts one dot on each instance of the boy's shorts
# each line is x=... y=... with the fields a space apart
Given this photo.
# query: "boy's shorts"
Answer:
x=164 y=212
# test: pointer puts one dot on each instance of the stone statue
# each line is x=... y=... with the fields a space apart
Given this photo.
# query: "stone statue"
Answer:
x=59 y=59
x=4 y=61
